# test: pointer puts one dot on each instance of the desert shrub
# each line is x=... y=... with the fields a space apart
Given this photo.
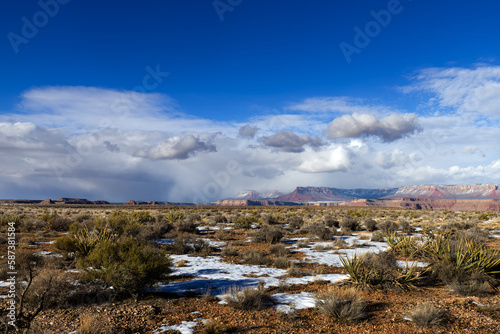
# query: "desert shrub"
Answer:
x=66 y=243
x=457 y=226
x=279 y=250
x=387 y=227
x=339 y=242
x=193 y=217
x=153 y=231
x=471 y=285
x=406 y=227
x=229 y=251
x=219 y=218
x=464 y=281
x=403 y=245
x=185 y=226
x=270 y=219
x=85 y=240
x=244 y=222
x=174 y=216
x=476 y=235
x=90 y=324
x=462 y=254
x=295 y=222
x=370 y=225
x=294 y=271
x=377 y=237
x=142 y=217
x=349 y=224
x=213 y=327
x=80 y=218
x=281 y=262
x=254 y=257
x=319 y=230
x=57 y=223
x=268 y=234
x=40 y=284
x=247 y=298
x=189 y=245
x=427 y=315
x=467 y=267
x=126 y=264
x=223 y=234
x=378 y=270
x=344 y=305
x=329 y=221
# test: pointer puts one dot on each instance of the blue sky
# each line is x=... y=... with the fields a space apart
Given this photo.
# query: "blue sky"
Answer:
x=87 y=108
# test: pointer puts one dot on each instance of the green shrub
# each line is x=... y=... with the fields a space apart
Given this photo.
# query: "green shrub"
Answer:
x=142 y=217
x=66 y=243
x=126 y=265
x=378 y=270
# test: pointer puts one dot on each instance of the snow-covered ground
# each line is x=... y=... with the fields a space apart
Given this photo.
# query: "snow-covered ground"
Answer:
x=186 y=327
x=214 y=276
x=332 y=257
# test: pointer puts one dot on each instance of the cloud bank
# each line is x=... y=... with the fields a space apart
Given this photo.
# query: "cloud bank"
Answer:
x=102 y=143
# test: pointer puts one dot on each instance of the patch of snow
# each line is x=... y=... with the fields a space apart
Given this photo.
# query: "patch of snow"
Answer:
x=4 y=284
x=186 y=327
x=411 y=264
x=332 y=257
x=164 y=241
x=47 y=253
x=296 y=301
x=45 y=242
x=212 y=274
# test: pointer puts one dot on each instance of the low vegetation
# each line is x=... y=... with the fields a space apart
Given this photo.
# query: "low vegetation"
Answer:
x=77 y=260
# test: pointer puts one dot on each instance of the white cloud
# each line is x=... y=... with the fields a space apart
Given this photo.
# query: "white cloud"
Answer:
x=70 y=141
x=333 y=159
x=388 y=129
x=340 y=104
x=469 y=90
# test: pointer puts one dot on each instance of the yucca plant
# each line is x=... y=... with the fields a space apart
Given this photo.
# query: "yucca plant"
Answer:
x=402 y=244
x=355 y=269
x=86 y=240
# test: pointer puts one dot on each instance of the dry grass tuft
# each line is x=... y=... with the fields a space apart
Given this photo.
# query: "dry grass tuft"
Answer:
x=344 y=305
x=247 y=298
x=427 y=315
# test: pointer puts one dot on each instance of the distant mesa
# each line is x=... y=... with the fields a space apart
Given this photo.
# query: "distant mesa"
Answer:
x=247 y=202
x=480 y=197
x=325 y=194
